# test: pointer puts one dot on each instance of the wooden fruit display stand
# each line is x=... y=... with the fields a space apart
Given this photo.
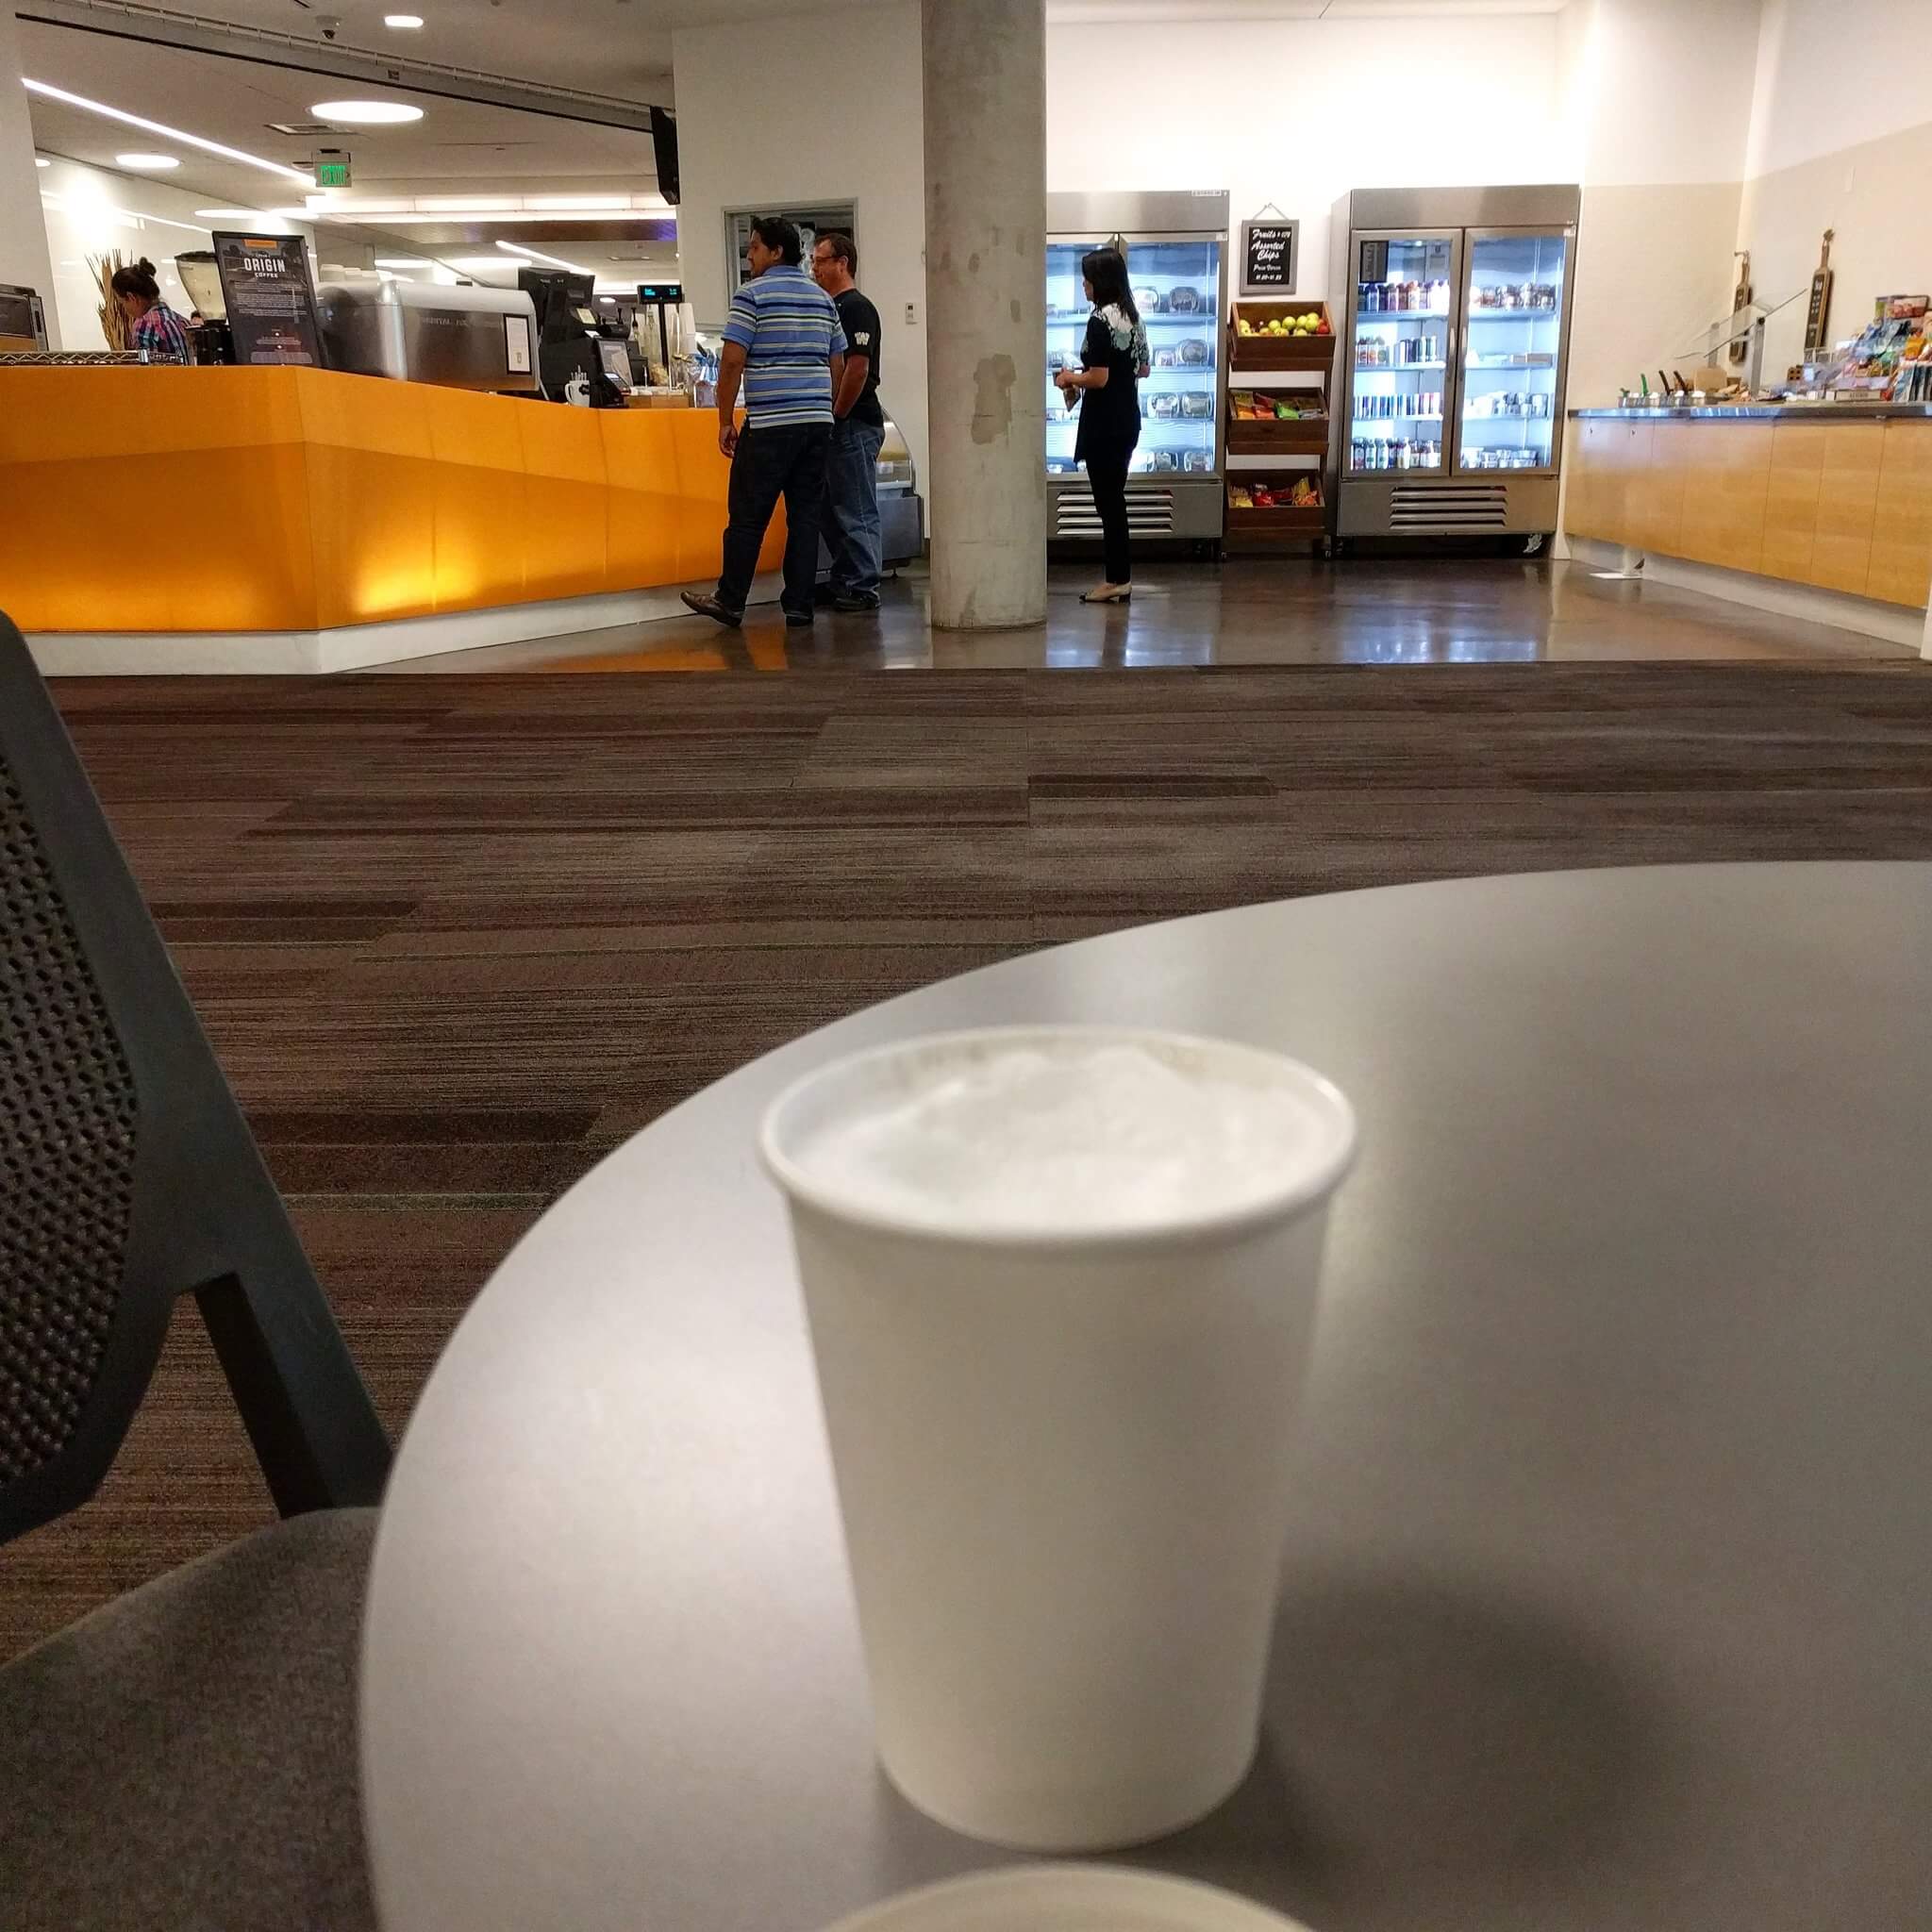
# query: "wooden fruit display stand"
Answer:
x=1279 y=424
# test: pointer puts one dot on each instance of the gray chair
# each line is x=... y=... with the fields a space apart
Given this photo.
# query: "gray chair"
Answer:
x=186 y=1756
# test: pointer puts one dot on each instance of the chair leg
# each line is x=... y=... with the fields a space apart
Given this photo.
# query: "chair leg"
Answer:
x=315 y=1431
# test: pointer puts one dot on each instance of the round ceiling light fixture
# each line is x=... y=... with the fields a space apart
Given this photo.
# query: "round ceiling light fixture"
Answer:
x=147 y=164
x=367 y=113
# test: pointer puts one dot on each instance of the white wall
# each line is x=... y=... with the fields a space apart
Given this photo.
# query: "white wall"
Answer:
x=1299 y=111
x=96 y=211
x=1841 y=137
x=1662 y=95
x=844 y=122
x=23 y=239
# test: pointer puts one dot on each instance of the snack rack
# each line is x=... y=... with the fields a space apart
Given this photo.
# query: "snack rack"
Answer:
x=1279 y=390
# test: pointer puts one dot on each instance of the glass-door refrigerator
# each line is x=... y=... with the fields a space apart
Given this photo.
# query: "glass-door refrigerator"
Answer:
x=1457 y=303
x=1177 y=250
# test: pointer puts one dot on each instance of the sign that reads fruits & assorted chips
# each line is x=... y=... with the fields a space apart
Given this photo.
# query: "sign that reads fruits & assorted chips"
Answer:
x=1268 y=257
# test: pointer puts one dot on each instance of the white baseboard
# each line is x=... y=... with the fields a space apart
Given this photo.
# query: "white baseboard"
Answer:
x=354 y=647
x=1896 y=624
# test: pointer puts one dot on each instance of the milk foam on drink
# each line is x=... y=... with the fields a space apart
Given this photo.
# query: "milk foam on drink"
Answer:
x=1073 y=1136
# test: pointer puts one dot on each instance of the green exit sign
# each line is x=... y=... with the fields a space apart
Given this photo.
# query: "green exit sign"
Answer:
x=332 y=175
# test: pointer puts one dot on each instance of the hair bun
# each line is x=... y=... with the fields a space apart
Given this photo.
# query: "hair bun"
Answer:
x=146 y=266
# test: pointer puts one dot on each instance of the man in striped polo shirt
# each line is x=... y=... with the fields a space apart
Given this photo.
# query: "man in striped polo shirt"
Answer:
x=786 y=345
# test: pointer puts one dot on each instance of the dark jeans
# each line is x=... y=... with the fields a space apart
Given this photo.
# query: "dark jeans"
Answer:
x=852 y=508
x=1106 y=477
x=771 y=463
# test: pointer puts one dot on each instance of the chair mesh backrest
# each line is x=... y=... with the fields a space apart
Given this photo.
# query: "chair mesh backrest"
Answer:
x=68 y=1120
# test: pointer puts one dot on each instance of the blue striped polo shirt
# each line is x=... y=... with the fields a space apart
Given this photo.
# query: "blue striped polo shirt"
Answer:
x=789 y=328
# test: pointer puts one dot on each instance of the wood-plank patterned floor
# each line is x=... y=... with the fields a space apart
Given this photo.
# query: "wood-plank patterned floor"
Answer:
x=456 y=937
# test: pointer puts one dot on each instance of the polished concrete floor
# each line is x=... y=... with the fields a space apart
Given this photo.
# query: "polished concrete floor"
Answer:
x=1250 y=612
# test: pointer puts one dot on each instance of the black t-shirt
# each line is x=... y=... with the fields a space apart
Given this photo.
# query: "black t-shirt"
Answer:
x=1110 y=417
x=861 y=322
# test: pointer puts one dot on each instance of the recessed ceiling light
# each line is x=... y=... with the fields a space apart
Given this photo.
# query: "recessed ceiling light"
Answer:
x=366 y=114
x=402 y=22
x=167 y=133
x=41 y=161
x=147 y=164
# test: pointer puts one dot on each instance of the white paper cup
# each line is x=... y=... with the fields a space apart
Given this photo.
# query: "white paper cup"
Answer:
x=1062 y=1462
x=1067 y=1898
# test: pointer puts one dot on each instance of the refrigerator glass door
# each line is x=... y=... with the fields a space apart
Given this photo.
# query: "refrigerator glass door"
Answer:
x=1401 y=334
x=1176 y=285
x=1512 y=377
x=1067 y=310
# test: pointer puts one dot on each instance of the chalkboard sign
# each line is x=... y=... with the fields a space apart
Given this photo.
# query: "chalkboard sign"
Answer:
x=1268 y=257
x=270 y=299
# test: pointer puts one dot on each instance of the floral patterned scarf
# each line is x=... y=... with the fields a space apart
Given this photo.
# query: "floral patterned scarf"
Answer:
x=1129 y=338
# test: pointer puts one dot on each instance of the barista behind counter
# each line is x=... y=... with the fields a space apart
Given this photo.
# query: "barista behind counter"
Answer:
x=153 y=327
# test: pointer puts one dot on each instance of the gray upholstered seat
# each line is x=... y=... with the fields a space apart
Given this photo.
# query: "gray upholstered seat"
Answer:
x=184 y=1759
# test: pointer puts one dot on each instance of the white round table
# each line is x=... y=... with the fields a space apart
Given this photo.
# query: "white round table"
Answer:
x=1604 y=1605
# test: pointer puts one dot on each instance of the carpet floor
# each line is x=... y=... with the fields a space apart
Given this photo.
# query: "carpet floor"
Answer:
x=456 y=937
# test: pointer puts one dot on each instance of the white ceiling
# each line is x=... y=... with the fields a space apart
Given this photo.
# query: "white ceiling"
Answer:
x=620 y=47
x=1094 y=13
x=610 y=47
x=456 y=148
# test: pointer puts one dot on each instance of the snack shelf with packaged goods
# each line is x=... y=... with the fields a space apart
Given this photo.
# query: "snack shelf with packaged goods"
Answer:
x=1275 y=510
x=1281 y=357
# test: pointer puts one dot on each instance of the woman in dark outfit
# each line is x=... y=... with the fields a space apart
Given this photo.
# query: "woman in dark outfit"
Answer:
x=1106 y=390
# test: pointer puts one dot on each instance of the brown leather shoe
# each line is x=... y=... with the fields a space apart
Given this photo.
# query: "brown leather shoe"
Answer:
x=709 y=607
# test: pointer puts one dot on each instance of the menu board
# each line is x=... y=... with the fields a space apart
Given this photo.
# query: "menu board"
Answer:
x=270 y=299
x=1268 y=252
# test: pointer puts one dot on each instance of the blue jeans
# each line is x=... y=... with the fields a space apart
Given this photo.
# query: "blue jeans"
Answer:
x=852 y=508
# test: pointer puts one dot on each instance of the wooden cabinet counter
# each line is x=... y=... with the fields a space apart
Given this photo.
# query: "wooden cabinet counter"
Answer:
x=1836 y=497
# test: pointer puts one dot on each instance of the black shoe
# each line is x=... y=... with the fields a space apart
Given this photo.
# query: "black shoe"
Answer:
x=854 y=602
x=712 y=607
x=798 y=620
x=824 y=596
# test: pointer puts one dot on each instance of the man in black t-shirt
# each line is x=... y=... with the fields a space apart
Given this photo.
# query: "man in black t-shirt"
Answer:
x=851 y=522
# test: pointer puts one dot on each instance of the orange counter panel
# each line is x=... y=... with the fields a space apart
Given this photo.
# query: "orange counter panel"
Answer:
x=297 y=499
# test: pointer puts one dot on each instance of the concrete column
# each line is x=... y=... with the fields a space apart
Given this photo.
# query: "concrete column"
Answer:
x=24 y=257
x=985 y=310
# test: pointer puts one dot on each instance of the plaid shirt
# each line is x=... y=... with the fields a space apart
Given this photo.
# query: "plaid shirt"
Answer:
x=161 y=333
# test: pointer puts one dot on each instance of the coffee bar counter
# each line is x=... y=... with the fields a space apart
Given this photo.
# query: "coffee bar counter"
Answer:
x=1837 y=496
x=300 y=519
